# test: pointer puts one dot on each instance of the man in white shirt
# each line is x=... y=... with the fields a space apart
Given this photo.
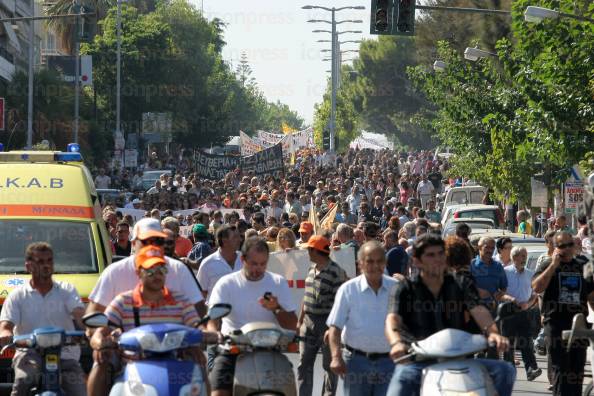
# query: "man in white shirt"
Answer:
x=41 y=303
x=426 y=191
x=121 y=276
x=245 y=291
x=357 y=322
x=518 y=327
x=225 y=260
x=102 y=180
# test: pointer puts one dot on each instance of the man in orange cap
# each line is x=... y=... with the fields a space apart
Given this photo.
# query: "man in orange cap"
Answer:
x=121 y=276
x=151 y=298
x=322 y=283
x=306 y=231
x=150 y=302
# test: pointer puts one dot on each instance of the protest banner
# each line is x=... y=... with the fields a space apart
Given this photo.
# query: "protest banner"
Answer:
x=345 y=257
x=136 y=214
x=248 y=145
x=264 y=163
x=214 y=167
x=294 y=266
x=270 y=139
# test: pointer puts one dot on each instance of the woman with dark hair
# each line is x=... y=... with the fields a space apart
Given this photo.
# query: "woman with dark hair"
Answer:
x=458 y=254
x=504 y=248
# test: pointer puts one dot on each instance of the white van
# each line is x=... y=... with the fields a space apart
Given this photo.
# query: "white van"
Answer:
x=465 y=195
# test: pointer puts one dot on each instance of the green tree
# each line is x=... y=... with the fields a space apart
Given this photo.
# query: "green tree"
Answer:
x=532 y=104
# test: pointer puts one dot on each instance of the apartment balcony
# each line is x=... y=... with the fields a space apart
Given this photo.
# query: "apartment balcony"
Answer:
x=7 y=67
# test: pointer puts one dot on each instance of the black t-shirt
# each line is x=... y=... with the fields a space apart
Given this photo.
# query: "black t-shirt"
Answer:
x=423 y=314
x=435 y=179
x=119 y=251
x=566 y=294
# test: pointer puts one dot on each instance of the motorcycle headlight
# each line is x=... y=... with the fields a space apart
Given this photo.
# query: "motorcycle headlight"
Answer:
x=171 y=341
x=263 y=338
x=48 y=340
x=148 y=342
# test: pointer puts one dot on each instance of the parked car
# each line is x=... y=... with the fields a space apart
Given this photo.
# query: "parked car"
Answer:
x=476 y=211
x=482 y=224
x=149 y=177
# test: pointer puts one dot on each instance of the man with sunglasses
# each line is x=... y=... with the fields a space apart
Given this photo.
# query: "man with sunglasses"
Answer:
x=565 y=294
x=121 y=277
x=150 y=302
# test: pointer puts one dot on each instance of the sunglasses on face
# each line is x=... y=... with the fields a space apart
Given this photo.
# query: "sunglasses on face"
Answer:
x=153 y=241
x=152 y=271
x=566 y=245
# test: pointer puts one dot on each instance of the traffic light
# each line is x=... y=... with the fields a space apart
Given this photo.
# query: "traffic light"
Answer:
x=405 y=20
x=326 y=139
x=85 y=25
x=382 y=15
x=545 y=174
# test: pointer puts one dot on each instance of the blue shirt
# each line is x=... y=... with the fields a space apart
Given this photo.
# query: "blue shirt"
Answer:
x=200 y=251
x=519 y=283
x=396 y=261
x=488 y=277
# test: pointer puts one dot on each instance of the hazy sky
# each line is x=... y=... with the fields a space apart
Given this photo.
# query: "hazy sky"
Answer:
x=280 y=46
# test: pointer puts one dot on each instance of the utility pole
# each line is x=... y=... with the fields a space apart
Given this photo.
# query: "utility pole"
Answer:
x=334 y=81
x=76 y=71
x=118 y=67
x=30 y=83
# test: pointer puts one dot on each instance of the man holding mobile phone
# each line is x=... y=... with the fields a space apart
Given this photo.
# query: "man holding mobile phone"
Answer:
x=256 y=295
x=565 y=294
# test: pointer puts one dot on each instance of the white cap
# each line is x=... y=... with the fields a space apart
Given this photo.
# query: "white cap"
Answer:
x=136 y=201
x=147 y=228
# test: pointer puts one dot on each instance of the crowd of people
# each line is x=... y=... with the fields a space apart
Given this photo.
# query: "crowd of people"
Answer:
x=385 y=206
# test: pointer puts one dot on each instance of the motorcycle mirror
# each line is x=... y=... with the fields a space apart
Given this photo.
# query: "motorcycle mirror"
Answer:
x=578 y=324
x=506 y=310
x=95 y=320
x=218 y=311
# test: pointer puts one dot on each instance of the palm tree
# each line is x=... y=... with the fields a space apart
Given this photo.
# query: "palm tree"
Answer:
x=64 y=27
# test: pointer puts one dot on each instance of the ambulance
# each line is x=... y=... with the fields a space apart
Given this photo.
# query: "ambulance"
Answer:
x=48 y=196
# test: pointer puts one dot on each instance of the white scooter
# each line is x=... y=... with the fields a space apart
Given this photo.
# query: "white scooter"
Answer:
x=455 y=374
x=579 y=331
x=262 y=368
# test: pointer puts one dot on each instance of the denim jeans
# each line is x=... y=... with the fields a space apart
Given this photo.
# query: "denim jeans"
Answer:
x=406 y=380
x=365 y=376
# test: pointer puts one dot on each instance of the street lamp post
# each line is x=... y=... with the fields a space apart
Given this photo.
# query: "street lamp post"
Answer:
x=335 y=67
x=118 y=67
x=439 y=66
x=474 y=54
x=538 y=14
x=76 y=71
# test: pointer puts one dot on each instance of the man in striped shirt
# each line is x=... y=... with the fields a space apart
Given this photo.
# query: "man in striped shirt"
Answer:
x=322 y=283
x=151 y=302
